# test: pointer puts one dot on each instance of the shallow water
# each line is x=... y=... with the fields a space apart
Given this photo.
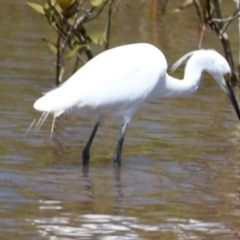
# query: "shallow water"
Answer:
x=179 y=177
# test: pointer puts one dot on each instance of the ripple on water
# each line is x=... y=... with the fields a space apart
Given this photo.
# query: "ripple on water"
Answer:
x=105 y=227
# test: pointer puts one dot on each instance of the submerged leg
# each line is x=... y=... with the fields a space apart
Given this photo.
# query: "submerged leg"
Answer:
x=117 y=155
x=85 y=153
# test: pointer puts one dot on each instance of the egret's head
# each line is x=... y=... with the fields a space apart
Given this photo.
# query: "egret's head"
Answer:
x=221 y=72
x=213 y=63
x=218 y=67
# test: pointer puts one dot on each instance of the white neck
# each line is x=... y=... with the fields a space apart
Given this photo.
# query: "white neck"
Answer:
x=196 y=65
x=185 y=87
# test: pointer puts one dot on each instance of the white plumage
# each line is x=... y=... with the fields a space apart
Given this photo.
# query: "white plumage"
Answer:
x=107 y=81
x=116 y=83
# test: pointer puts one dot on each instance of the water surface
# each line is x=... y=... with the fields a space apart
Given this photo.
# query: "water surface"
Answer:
x=180 y=173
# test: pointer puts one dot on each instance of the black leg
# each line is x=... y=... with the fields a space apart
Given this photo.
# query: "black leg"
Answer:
x=85 y=153
x=117 y=155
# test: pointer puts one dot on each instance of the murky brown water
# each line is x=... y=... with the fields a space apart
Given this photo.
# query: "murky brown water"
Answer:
x=180 y=173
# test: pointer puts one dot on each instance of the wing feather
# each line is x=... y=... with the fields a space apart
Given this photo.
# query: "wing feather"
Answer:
x=114 y=77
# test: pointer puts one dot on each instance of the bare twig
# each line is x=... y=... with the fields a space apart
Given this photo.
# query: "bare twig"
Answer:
x=84 y=17
x=97 y=14
x=218 y=12
x=182 y=6
x=65 y=29
x=116 y=7
x=238 y=14
x=229 y=19
x=222 y=35
x=61 y=72
x=75 y=30
x=108 y=25
x=72 y=26
x=58 y=60
x=201 y=11
x=61 y=33
x=54 y=9
x=225 y=26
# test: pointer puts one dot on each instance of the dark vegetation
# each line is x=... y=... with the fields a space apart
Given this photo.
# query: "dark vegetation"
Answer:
x=69 y=18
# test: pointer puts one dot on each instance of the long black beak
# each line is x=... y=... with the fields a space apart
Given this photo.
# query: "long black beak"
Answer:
x=233 y=99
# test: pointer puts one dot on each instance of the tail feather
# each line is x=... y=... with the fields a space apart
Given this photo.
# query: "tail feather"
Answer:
x=52 y=102
x=43 y=105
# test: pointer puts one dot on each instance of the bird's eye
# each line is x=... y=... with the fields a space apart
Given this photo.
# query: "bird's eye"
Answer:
x=227 y=77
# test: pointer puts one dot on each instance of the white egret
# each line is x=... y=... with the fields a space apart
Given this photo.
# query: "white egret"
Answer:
x=118 y=81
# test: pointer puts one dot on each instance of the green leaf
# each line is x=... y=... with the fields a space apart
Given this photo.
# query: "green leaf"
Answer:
x=96 y=3
x=38 y=8
x=64 y=4
x=51 y=46
x=54 y=7
x=73 y=40
x=97 y=38
x=76 y=50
